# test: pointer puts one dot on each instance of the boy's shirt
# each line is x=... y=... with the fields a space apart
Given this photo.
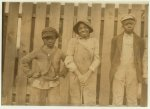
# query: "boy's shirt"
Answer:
x=47 y=66
x=91 y=44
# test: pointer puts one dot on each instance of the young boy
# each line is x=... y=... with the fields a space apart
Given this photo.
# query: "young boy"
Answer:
x=82 y=60
x=45 y=84
x=126 y=69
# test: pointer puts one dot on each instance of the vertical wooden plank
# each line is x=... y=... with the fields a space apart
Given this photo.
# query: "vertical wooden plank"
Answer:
x=96 y=20
x=146 y=21
x=96 y=23
x=4 y=30
x=54 y=15
x=105 y=62
x=39 y=24
x=122 y=11
x=21 y=84
x=66 y=36
x=82 y=11
x=67 y=25
x=137 y=11
x=10 y=52
x=54 y=18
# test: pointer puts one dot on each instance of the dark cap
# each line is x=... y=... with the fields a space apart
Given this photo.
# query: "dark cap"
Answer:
x=48 y=30
x=128 y=16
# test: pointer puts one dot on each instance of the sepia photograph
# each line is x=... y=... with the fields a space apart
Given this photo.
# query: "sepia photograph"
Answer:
x=58 y=53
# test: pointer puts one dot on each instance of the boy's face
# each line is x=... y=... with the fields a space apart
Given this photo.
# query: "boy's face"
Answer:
x=83 y=30
x=49 y=40
x=128 y=25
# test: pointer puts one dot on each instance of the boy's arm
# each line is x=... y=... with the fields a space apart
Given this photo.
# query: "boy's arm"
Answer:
x=96 y=60
x=26 y=61
x=69 y=62
x=64 y=70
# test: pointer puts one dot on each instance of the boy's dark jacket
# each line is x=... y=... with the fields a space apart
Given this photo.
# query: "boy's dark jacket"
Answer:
x=116 y=49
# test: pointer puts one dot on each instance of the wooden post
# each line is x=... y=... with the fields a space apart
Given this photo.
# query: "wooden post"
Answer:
x=10 y=53
x=106 y=47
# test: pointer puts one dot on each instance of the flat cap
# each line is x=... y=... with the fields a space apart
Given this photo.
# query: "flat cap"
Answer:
x=86 y=22
x=48 y=30
x=128 y=16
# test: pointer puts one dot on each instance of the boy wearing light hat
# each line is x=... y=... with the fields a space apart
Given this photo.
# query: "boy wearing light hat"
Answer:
x=82 y=61
x=126 y=64
x=45 y=77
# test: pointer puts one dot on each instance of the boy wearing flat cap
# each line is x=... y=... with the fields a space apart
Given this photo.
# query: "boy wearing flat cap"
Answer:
x=45 y=77
x=82 y=61
x=126 y=64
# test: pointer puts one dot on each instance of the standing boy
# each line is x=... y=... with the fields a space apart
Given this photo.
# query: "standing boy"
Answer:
x=83 y=60
x=126 y=63
x=45 y=77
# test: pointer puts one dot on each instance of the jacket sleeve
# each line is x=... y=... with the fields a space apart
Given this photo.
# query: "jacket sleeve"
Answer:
x=69 y=62
x=113 y=48
x=26 y=61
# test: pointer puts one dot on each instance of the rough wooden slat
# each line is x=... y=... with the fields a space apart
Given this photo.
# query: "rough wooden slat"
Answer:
x=39 y=24
x=96 y=20
x=67 y=25
x=96 y=23
x=105 y=62
x=82 y=11
x=21 y=84
x=10 y=52
x=146 y=21
x=66 y=36
x=54 y=18
x=123 y=10
x=137 y=11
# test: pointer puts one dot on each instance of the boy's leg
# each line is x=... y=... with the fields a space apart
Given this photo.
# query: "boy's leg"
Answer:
x=131 y=87
x=90 y=90
x=54 y=96
x=37 y=96
x=74 y=90
x=118 y=92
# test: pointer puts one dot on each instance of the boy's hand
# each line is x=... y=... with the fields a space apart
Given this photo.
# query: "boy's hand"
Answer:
x=29 y=74
x=86 y=76
x=64 y=72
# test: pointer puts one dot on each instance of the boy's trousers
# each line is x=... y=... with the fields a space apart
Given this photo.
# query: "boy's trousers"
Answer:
x=125 y=79
x=45 y=96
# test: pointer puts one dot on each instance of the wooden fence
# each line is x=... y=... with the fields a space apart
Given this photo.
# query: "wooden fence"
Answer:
x=22 y=26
